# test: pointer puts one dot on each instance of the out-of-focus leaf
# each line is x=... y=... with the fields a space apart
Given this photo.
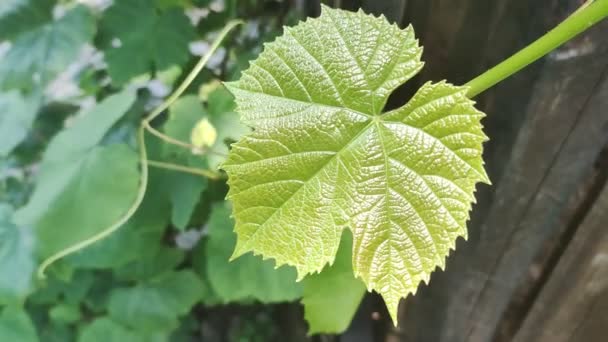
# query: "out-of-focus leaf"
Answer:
x=106 y=330
x=184 y=189
x=16 y=325
x=138 y=240
x=37 y=56
x=18 y=114
x=17 y=16
x=17 y=261
x=65 y=313
x=163 y=261
x=248 y=277
x=226 y=121
x=156 y=304
x=332 y=297
x=160 y=40
x=82 y=188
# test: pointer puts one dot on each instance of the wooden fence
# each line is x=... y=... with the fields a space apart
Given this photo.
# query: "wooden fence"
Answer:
x=535 y=266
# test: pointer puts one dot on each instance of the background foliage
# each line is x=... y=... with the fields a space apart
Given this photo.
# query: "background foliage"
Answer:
x=76 y=78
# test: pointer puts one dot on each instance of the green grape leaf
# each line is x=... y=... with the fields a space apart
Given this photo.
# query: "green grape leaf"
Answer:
x=329 y=309
x=82 y=188
x=19 y=113
x=184 y=189
x=37 y=56
x=16 y=325
x=17 y=16
x=160 y=40
x=249 y=277
x=323 y=156
x=17 y=261
x=156 y=304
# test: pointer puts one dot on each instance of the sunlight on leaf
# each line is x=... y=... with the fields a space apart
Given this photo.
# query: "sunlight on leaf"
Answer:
x=323 y=156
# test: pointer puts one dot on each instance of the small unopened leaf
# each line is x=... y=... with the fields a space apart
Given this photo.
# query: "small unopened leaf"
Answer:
x=203 y=134
x=323 y=157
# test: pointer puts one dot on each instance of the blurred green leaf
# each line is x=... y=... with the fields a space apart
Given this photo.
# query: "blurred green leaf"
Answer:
x=332 y=297
x=82 y=188
x=227 y=123
x=17 y=16
x=17 y=262
x=184 y=189
x=38 y=55
x=16 y=325
x=248 y=277
x=65 y=313
x=156 y=304
x=160 y=40
x=19 y=113
x=164 y=260
x=106 y=330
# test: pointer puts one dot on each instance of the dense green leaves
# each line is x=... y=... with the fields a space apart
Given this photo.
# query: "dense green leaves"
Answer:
x=74 y=167
x=248 y=277
x=160 y=40
x=37 y=56
x=17 y=16
x=155 y=305
x=16 y=258
x=15 y=325
x=324 y=158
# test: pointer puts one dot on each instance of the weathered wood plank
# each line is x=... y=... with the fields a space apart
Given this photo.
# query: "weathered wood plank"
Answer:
x=535 y=199
x=573 y=305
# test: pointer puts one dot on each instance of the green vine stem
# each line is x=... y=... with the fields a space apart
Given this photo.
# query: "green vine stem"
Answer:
x=588 y=15
x=199 y=172
x=143 y=157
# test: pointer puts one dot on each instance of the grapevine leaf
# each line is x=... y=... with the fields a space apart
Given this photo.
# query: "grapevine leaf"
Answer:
x=16 y=325
x=248 y=278
x=37 y=56
x=19 y=113
x=156 y=304
x=323 y=157
x=17 y=16
x=82 y=188
x=184 y=189
x=160 y=40
x=16 y=258
x=330 y=309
